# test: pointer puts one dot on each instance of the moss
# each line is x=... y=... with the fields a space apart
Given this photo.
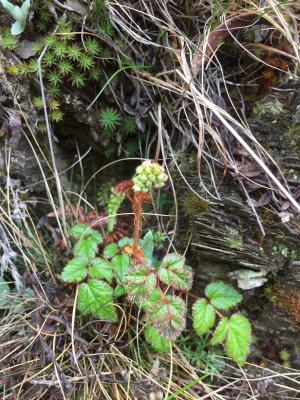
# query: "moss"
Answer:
x=193 y=205
x=235 y=240
x=295 y=130
x=289 y=300
x=269 y=107
x=284 y=355
x=269 y=293
x=268 y=217
x=285 y=251
x=293 y=136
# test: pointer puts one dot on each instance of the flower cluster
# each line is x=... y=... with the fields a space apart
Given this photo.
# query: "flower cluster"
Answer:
x=149 y=175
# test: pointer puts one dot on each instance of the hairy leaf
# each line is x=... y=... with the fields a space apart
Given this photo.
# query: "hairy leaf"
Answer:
x=86 y=248
x=140 y=282
x=75 y=270
x=179 y=278
x=95 y=298
x=204 y=316
x=158 y=343
x=222 y=295
x=146 y=303
x=173 y=261
x=110 y=250
x=221 y=332
x=238 y=339
x=168 y=316
x=101 y=269
x=121 y=266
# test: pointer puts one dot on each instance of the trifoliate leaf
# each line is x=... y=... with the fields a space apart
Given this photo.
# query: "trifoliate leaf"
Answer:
x=158 y=343
x=76 y=270
x=86 y=248
x=121 y=266
x=95 y=298
x=168 y=316
x=238 y=339
x=222 y=295
x=81 y=231
x=110 y=250
x=221 y=332
x=204 y=316
x=140 y=282
x=148 y=246
x=179 y=278
x=101 y=269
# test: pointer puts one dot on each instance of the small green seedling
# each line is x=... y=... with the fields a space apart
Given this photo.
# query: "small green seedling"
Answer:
x=20 y=15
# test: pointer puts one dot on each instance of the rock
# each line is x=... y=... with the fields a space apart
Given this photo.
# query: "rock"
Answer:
x=226 y=239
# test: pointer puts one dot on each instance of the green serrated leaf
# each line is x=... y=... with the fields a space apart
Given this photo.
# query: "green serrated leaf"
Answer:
x=126 y=241
x=80 y=231
x=158 y=343
x=119 y=291
x=110 y=250
x=168 y=316
x=222 y=295
x=83 y=231
x=148 y=246
x=140 y=282
x=237 y=344
x=173 y=260
x=96 y=237
x=221 y=332
x=179 y=278
x=204 y=316
x=101 y=269
x=121 y=266
x=154 y=297
x=86 y=248
x=95 y=298
x=75 y=271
